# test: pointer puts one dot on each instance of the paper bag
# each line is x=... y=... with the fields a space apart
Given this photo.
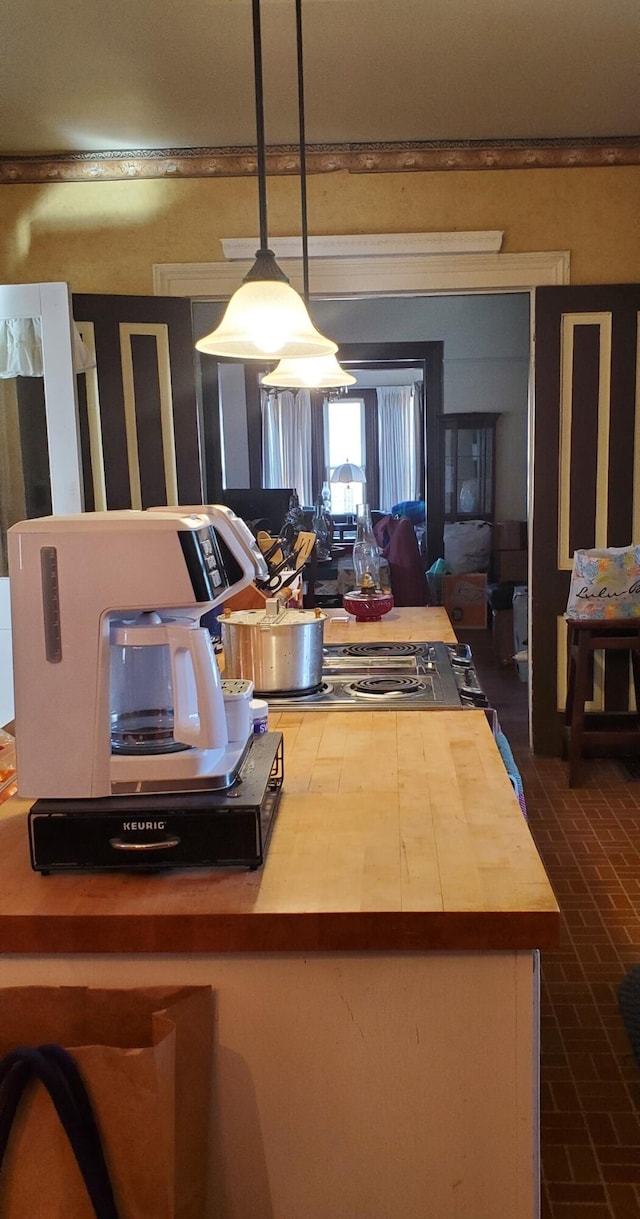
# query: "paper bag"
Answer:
x=145 y=1057
x=605 y=584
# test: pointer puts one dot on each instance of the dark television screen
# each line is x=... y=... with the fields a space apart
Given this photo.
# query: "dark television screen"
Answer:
x=268 y=505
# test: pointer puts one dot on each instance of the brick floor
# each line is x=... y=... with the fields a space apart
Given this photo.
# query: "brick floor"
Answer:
x=589 y=840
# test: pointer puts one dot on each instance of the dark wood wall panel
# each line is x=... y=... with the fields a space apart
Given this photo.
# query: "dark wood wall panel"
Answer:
x=254 y=422
x=169 y=320
x=153 y=482
x=85 y=451
x=600 y=494
x=622 y=440
x=584 y=436
x=114 y=434
x=34 y=446
x=187 y=419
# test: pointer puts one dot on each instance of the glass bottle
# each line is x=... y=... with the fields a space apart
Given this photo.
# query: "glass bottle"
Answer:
x=326 y=497
x=321 y=525
x=295 y=515
x=366 y=552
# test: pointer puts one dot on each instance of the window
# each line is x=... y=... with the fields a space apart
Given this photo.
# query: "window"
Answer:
x=344 y=426
x=306 y=435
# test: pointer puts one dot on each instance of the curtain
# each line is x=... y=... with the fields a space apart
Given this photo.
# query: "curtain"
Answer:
x=21 y=348
x=286 y=441
x=398 y=444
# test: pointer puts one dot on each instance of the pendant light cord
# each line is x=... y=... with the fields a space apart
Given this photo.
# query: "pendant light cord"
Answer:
x=260 y=145
x=303 y=155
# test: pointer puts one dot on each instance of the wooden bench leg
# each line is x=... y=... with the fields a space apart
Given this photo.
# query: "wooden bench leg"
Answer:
x=571 y=675
x=579 y=691
x=635 y=666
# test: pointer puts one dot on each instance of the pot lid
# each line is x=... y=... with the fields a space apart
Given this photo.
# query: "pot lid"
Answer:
x=262 y=617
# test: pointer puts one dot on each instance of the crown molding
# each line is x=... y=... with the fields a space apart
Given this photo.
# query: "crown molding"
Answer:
x=414 y=156
x=360 y=245
x=376 y=275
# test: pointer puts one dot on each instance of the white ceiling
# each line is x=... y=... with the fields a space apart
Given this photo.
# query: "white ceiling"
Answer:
x=89 y=75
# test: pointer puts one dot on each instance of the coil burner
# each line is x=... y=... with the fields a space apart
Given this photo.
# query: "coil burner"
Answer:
x=388 y=687
x=324 y=690
x=382 y=650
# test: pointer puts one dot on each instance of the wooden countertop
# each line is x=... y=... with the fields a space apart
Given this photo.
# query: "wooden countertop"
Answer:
x=412 y=622
x=396 y=831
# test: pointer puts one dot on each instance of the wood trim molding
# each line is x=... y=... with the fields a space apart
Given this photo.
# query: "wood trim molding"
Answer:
x=603 y=321
x=415 y=156
x=87 y=331
x=376 y=275
x=487 y=241
x=160 y=332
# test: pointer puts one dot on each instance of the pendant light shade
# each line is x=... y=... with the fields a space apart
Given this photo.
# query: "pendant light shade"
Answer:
x=265 y=316
x=321 y=372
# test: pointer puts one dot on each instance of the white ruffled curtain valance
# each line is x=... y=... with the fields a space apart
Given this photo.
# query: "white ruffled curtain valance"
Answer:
x=21 y=348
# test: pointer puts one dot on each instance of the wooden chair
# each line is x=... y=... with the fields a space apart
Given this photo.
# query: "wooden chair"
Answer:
x=619 y=729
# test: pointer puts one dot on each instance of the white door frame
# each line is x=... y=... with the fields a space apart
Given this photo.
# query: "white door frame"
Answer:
x=52 y=303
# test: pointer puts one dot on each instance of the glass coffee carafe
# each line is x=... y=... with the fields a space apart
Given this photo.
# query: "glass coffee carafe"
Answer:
x=165 y=693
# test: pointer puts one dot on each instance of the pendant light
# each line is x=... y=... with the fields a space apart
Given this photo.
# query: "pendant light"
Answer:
x=312 y=372
x=265 y=317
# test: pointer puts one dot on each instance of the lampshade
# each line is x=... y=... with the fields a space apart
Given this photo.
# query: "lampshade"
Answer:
x=314 y=372
x=265 y=316
x=348 y=472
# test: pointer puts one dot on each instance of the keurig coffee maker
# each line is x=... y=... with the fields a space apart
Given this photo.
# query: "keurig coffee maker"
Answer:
x=127 y=737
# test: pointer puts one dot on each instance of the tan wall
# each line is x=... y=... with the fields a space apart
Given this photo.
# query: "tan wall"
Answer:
x=105 y=237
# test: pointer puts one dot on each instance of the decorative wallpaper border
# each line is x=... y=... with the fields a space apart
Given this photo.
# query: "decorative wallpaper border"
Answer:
x=410 y=157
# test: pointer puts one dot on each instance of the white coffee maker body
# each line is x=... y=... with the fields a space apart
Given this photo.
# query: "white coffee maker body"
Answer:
x=106 y=611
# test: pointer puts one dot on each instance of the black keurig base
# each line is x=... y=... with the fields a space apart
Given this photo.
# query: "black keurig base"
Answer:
x=200 y=829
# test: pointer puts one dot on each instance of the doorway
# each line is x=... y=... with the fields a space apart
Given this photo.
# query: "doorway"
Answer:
x=477 y=353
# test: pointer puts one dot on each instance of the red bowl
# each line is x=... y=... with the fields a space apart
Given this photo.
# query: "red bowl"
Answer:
x=369 y=607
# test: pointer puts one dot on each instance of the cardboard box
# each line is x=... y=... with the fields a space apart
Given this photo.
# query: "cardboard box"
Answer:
x=509 y=535
x=510 y=565
x=465 y=599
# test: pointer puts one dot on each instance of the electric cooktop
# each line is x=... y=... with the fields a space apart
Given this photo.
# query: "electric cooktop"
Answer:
x=398 y=676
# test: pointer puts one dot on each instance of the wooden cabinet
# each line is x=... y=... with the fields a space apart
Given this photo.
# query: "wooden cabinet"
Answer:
x=468 y=444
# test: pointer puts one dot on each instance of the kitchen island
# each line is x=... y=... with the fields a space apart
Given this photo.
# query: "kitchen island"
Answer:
x=375 y=982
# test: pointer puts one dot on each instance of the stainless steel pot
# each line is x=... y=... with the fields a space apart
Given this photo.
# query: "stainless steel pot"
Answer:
x=278 y=649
